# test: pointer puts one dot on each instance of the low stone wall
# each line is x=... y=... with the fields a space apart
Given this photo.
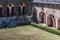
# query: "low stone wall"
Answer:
x=13 y=21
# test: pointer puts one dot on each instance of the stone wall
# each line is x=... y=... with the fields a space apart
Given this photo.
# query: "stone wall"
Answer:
x=49 y=9
x=16 y=3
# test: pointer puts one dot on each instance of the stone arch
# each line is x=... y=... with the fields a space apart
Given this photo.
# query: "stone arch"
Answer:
x=22 y=8
x=51 y=20
x=42 y=17
x=10 y=10
x=34 y=15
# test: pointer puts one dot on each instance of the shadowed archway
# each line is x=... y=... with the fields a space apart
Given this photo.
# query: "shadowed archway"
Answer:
x=42 y=17
x=51 y=21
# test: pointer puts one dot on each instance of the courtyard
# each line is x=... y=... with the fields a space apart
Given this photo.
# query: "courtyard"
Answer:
x=26 y=32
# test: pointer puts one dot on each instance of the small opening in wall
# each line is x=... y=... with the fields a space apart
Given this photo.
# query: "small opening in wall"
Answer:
x=19 y=10
x=7 y=12
x=1 y=12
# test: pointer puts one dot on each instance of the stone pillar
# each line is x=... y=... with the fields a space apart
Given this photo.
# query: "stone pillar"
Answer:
x=10 y=8
x=17 y=9
x=39 y=9
x=53 y=21
x=38 y=16
x=21 y=9
x=56 y=23
x=46 y=19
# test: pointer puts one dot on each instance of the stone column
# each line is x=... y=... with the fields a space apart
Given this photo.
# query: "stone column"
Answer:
x=56 y=23
x=39 y=9
x=46 y=19
x=38 y=15
x=53 y=18
x=10 y=8
x=21 y=10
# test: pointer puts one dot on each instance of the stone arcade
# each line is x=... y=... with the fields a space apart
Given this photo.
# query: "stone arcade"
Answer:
x=47 y=12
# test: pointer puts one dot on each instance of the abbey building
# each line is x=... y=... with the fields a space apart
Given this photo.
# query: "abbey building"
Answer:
x=45 y=12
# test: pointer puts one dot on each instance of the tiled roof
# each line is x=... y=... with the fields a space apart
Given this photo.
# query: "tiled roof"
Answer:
x=47 y=1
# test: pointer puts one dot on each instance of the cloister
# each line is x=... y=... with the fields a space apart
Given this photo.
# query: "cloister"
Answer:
x=42 y=12
x=47 y=12
x=49 y=17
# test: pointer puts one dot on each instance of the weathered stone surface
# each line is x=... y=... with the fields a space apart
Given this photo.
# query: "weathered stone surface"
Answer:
x=50 y=9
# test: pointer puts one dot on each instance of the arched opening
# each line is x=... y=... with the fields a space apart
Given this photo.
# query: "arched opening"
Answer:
x=42 y=17
x=7 y=12
x=51 y=21
x=10 y=10
x=34 y=15
x=1 y=11
x=19 y=10
x=22 y=8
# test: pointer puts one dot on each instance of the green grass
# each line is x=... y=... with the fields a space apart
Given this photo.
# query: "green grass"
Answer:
x=27 y=32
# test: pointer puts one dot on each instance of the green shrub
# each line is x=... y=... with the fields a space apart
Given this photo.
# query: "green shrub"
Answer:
x=28 y=18
x=55 y=31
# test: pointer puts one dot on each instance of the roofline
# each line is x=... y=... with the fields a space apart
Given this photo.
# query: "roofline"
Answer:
x=46 y=3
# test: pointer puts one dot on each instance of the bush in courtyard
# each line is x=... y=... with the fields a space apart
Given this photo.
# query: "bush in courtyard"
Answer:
x=28 y=18
x=55 y=31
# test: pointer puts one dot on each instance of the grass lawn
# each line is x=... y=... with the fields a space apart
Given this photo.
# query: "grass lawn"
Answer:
x=27 y=32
